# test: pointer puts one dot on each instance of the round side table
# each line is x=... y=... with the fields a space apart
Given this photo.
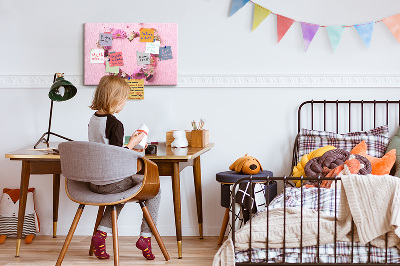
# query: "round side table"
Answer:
x=228 y=178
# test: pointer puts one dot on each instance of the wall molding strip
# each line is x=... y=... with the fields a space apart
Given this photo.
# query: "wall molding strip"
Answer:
x=187 y=81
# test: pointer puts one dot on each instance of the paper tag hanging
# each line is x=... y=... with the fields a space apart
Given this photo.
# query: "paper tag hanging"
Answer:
x=137 y=89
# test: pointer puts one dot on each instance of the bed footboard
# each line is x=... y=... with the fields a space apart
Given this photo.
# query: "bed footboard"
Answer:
x=353 y=256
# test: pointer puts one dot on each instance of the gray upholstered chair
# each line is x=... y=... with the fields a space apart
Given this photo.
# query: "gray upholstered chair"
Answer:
x=83 y=162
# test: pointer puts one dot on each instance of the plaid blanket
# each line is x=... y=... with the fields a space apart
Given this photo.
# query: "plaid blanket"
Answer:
x=326 y=252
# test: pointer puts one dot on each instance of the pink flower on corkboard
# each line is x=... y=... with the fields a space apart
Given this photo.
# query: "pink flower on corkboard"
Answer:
x=119 y=34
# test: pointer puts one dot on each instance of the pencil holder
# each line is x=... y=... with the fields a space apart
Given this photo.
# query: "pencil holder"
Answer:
x=199 y=138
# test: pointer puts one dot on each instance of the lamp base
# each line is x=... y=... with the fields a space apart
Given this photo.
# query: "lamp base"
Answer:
x=46 y=140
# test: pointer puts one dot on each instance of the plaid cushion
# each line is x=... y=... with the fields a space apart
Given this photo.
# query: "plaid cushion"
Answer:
x=377 y=139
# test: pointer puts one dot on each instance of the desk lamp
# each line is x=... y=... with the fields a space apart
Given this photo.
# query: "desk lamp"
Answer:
x=61 y=90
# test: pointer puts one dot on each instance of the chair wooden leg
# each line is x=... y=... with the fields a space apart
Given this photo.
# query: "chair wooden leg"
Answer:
x=154 y=230
x=70 y=234
x=98 y=220
x=223 y=227
x=115 y=235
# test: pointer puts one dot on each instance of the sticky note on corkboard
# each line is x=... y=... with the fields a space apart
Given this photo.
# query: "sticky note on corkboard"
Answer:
x=137 y=89
x=146 y=35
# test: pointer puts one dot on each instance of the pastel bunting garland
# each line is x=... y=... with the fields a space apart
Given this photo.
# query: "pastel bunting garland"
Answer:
x=309 y=30
x=283 y=26
x=393 y=24
x=335 y=35
x=260 y=13
x=365 y=32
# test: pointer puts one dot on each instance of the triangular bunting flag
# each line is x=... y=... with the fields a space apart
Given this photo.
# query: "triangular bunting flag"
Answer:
x=365 y=32
x=393 y=23
x=309 y=31
x=283 y=24
x=260 y=13
x=335 y=34
x=236 y=5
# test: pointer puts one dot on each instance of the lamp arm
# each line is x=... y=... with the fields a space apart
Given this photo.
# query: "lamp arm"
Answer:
x=51 y=114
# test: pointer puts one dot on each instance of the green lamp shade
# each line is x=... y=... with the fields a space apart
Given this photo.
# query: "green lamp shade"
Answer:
x=62 y=90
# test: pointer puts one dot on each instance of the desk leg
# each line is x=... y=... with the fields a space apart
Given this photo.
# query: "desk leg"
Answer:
x=56 y=199
x=176 y=190
x=197 y=187
x=25 y=175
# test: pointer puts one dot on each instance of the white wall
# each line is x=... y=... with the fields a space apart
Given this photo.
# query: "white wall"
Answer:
x=40 y=38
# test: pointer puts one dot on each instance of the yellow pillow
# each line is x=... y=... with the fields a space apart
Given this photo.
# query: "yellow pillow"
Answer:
x=298 y=170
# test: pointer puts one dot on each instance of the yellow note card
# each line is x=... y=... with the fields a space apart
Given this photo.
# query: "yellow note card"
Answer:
x=137 y=89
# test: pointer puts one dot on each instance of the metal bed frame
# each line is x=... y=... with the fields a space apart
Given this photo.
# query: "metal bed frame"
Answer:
x=338 y=106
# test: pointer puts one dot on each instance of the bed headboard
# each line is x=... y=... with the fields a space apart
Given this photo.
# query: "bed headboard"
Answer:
x=347 y=116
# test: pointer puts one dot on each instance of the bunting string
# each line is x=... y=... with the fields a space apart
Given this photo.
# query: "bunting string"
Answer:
x=321 y=26
x=310 y=29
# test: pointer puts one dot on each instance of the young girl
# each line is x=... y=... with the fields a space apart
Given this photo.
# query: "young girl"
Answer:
x=110 y=98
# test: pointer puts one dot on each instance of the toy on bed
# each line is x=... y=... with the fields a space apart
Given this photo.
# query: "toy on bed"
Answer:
x=380 y=166
x=9 y=205
x=298 y=170
x=350 y=166
x=246 y=165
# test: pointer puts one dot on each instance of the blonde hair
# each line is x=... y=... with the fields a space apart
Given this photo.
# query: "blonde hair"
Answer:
x=109 y=93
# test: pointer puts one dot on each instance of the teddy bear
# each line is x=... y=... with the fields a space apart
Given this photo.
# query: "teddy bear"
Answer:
x=9 y=205
x=180 y=140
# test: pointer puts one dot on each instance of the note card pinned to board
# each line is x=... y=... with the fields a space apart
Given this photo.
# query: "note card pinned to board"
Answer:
x=146 y=35
x=137 y=89
x=142 y=58
x=105 y=39
x=116 y=59
x=97 y=56
x=165 y=53
x=153 y=47
x=114 y=70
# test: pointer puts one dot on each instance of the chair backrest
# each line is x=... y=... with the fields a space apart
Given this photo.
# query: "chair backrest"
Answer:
x=93 y=162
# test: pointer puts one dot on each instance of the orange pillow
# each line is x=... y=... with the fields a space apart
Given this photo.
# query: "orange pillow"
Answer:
x=380 y=166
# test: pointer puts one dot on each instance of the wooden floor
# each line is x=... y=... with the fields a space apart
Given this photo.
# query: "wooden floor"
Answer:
x=44 y=250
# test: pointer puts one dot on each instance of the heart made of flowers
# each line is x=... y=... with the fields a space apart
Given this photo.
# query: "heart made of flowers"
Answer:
x=129 y=43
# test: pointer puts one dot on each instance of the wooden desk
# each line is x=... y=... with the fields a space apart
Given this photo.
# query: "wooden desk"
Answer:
x=170 y=162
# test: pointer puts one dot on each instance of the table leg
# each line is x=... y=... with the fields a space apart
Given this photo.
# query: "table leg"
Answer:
x=25 y=175
x=197 y=187
x=176 y=190
x=56 y=199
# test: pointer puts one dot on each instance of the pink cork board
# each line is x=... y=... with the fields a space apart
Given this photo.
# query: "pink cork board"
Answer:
x=126 y=39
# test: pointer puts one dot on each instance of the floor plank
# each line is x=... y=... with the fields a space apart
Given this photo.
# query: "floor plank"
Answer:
x=44 y=251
